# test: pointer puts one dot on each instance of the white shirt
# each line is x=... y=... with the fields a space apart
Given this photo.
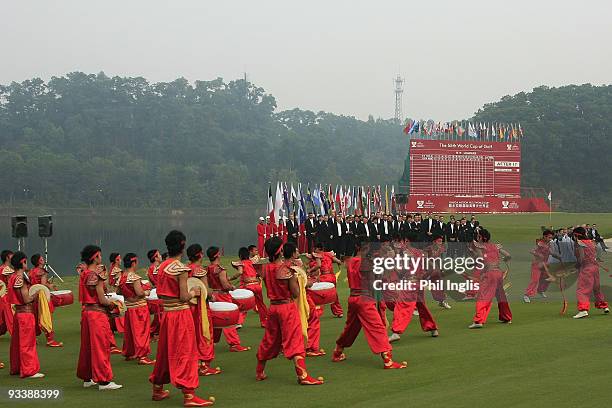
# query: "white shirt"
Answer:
x=339 y=226
x=367 y=229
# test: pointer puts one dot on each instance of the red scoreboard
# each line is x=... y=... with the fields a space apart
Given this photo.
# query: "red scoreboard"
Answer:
x=465 y=168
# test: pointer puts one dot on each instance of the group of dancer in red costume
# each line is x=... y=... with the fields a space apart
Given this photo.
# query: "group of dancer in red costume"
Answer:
x=185 y=351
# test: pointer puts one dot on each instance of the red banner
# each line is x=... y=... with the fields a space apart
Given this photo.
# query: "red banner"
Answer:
x=458 y=205
x=465 y=168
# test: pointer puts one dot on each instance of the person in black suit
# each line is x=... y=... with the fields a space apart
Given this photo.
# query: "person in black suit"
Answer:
x=451 y=233
x=465 y=235
x=374 y=229
x=292 y=229
x=311 y=231
x=351 y=234
x=323 y=233
x=430 y=227
x=338 y=236
x=364 y=230
x=385 y=229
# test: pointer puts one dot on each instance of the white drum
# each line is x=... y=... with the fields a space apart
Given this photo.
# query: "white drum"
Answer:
x=153 y=294
x=244 y=298
x=224 y=314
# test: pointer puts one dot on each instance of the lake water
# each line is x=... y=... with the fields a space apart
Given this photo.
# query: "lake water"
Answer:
x=229 y=229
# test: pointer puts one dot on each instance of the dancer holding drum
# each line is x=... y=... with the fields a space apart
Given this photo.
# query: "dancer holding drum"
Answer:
x=23 y=356
x=328 y=258
x=175 y=362
x=136 y=335
x=94 y=366
x=249 y=280
x=205 y=348
x=38 y=276
x=283 y=327
x=219 y=283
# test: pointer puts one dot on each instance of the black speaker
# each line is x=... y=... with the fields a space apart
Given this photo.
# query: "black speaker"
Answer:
x=45 y=226
x=19 y=226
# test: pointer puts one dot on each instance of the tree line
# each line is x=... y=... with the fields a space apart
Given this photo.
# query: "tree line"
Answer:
x=90 y=140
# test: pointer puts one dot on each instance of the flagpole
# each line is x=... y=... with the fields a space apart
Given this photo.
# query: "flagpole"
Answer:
x=550 y=208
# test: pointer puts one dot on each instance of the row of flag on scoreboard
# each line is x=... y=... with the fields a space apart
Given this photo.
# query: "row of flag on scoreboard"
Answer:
x=323 y=198
x=464 y=129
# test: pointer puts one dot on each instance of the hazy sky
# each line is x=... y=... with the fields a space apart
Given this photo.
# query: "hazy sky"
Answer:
x=338 y=56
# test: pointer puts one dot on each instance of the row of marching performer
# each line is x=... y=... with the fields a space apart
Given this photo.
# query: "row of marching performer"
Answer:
x=27 y=301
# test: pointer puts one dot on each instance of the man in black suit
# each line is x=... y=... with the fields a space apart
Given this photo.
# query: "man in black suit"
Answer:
x=374 y=229
x=385 y=229
x=323 y=233
x=292 y=229
x=430 y=227
x=338 y=235
x=351 y=234
x=451 y=233
x=364 y=230
x=465 y=235
x=311 y=231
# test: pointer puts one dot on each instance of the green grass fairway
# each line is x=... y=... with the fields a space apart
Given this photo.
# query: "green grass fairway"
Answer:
x=541 y=360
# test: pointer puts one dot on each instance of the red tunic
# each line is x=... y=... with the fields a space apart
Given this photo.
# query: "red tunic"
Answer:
x=87 y=287
x=36 y=275
x=152 y=273
x=249 y=274
x=327 y=262
x=5 y=272
x=354 y=274
x=167 y=283
x=542 y=252
x=214 y=282
x=276 y=278
x=15 y=283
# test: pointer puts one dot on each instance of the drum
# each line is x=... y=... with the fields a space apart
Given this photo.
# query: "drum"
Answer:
x=34 y=289
x=118 y=304
x=322 y=293
x=62 y=298
x=146 y=285
x=152 y=295
x=224 y=314
x=244 y=298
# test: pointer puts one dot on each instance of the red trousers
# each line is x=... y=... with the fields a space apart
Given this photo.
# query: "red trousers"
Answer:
x=403 y=312
x=262 y=309
x=137 y=332
x=156 y=307
x=6 y=317
x=492 y=285
x=94 y=357
x=205 y=350
x=588 y=284
x=283 y=329
x=314 y=326
x=176 y=349
x=362 y=312
x=436 y=277
x=24 y=359
x=475 y=277
x=231 y=334
x=538 y=280
x=260 y=245
x=335 y=307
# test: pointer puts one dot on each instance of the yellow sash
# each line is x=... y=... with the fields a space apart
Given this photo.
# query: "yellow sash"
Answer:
x=302 y=300
x=44 y=314
x=204 y=321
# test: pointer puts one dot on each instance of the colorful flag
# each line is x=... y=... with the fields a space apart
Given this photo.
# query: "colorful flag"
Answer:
x=270 y=208
x=278 y=203
x=386 y=200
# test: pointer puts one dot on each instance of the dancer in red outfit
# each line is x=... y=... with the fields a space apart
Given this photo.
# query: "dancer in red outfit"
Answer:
x=409 y=300
x=38 y=276
x=175 y=362
x=250 y=280
x=116 y=322
x=218 y=282
x=94 y=366
x=435 y=250
x=491 y=282
x=137 y=332
x=6 y=313
x=313 y=348
x=327 y=274
x=540 y=277
x=205 y=348
x=156 y=307
x=283 y=328
x=24 y=358
x=363 y=313
x=588 y=275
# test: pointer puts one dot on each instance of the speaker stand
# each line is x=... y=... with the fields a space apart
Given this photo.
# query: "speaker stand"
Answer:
x=48 y=267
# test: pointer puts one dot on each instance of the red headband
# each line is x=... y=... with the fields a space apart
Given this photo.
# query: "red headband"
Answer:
x=278 y=251
x=94 y=255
